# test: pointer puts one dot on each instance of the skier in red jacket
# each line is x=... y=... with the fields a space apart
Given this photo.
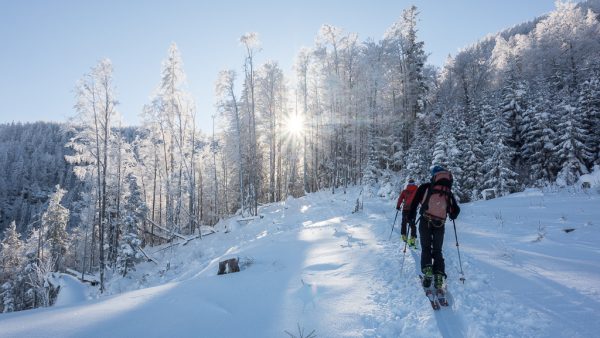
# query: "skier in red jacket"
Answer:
x=406 y=197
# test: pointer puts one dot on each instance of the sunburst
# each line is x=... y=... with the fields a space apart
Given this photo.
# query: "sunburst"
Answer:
x=294 y=125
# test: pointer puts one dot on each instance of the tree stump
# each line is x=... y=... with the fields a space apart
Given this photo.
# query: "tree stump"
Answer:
x=228 y=266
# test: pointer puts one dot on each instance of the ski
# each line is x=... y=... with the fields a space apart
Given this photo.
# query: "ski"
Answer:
x=440 y=295
x=434 y=304
x=430 y=295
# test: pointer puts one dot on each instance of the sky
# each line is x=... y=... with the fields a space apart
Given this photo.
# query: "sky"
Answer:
x=47 y=46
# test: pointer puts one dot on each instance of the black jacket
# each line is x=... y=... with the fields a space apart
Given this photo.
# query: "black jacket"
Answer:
x=453 y=208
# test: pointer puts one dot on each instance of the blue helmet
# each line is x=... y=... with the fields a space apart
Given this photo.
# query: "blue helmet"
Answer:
x=436 y=169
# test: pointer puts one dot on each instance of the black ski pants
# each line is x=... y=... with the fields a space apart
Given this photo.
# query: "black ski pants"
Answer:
x=432 y=239
x=406 y=220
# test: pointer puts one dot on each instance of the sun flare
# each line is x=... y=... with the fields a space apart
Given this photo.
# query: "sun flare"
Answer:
x=294 y=125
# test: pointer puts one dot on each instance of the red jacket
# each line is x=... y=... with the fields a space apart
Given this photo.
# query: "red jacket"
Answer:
x=406 y=196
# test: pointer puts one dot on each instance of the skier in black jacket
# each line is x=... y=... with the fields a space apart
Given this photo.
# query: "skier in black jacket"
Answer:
x=436 y=202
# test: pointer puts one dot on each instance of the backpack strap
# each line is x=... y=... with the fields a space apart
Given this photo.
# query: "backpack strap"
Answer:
x=425 y=204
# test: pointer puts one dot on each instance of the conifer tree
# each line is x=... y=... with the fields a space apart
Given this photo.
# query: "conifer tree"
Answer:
x=513 y=106
x=498 y=169
x=371 y=172
x=538 y=141
x=589 y=107
x=445 y=150
x=419 y=155
x=468 y=160
x=55 y=220
x=7 y=296
x=571 y=140
x=135 y=211
x=11 y=253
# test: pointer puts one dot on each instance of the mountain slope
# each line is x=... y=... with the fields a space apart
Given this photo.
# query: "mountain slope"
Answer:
x=312 y=263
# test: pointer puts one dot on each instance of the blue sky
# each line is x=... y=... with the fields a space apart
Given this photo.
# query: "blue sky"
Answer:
x=48 y=45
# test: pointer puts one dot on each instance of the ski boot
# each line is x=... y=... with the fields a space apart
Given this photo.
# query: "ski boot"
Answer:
x=440 y=292
x=427 y=275
x=438 y=280
x=404 y=238
x=412 y=242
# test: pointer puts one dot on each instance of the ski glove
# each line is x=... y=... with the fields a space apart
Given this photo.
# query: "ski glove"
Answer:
x=454 y=209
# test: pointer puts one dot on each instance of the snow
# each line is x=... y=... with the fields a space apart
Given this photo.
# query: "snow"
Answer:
x=593 y=178
x=71 y=291
x=311 y=263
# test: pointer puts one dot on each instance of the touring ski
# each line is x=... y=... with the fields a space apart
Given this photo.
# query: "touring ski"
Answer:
x=430 y=295
x=434 y=304
x=440 y=295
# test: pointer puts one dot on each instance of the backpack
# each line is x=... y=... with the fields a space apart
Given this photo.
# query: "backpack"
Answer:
x=436 y=202
x=409 y=196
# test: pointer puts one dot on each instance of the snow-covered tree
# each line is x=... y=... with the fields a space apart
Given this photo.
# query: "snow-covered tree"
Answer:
x=229 y=107
x=468 y=160
x=170 y=120
x=565 y=41
x=513 y=106
x=271 y=107
x=251 y=44
x=11 y=259
x=55 y=220
x=406 y=58
x=589 y=107
x=11 y=254
x=419 y=156
x=371 y=172
x=445 y=149
x=37 y=285
x=7 y=295
x=538 y=141
x=498 y=170
x=135 y=212
x=571 y=140
x=93 y=127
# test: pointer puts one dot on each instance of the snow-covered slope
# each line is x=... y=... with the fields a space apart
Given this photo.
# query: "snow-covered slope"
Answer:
x=311 y=263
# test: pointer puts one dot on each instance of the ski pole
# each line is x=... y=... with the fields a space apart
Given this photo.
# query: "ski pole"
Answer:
x=404 y=252
x=462 y=274
x=393 y=224
x=403 y=258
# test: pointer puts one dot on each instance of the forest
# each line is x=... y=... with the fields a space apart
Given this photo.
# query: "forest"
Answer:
x=516 y=109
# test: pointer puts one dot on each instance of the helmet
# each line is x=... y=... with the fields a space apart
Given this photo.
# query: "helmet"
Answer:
x=411 y=181
x=436 y=169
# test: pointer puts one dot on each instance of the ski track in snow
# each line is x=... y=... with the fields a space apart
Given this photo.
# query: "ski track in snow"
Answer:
x=311 y=262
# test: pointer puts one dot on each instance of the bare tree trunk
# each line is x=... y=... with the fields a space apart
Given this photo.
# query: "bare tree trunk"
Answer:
x=192 y=213
x=225 y=188
x=154 y=196
x=201 y=197
x=103 y=206
x=216 y=196
x=238 y=131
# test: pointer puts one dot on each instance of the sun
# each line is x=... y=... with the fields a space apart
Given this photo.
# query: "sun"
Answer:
x=294 y=125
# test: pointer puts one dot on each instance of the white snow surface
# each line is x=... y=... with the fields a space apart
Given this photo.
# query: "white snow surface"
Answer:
x=311 y=263
x=71 y=291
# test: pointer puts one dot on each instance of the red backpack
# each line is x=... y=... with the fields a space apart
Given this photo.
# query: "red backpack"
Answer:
x=436 y=201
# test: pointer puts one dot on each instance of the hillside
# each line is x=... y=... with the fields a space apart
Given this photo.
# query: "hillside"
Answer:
x=312 y=263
